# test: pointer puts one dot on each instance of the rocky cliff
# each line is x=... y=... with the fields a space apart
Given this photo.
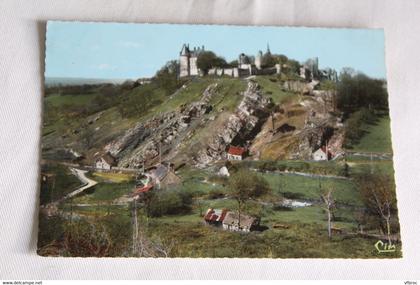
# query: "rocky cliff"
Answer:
x=250 y=112
x=160 y=135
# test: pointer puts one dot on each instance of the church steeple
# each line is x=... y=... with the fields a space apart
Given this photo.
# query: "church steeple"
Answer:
x=268 y=49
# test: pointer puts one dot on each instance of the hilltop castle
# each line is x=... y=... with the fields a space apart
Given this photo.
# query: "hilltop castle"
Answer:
x=247 y=65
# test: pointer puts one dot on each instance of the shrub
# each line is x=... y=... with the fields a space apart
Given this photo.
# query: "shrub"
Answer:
x=169 y=202
x=216 y=194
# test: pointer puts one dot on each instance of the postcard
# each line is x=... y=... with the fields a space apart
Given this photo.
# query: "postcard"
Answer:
x=163 y=140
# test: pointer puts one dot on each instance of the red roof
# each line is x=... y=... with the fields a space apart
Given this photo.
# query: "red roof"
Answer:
x=215 y=215
x=142 y=189
x=236 y=150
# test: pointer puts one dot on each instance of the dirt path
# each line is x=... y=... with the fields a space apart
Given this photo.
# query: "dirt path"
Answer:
x=87 y=183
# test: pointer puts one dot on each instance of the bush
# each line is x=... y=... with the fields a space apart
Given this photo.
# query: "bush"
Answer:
x=169 y=202
x=354 y=125
x=356 y=90
x=208 y=59
x=216 y=194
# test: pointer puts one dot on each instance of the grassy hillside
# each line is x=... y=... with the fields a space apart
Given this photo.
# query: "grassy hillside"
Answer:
x=272 y=87
x=377 y=137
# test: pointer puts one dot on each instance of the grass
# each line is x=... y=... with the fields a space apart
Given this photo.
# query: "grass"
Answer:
x=273 y=89
x=300 y=240
x=345 y=191
x=192 y=92
x=75 y=100
x=112 y=176
x=377 y=137
x=306 y=235
x=105 y=192
x=228 y=95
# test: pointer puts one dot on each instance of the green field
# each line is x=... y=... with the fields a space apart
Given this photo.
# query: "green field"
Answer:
x=311 y=188
x=75 y=100
x=377 y=137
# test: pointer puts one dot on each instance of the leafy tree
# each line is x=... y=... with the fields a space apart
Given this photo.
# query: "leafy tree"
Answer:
x=293 y=66
x=356 y=90
x=245 y=185
x=208 y=59
x=354 y=125
x=168 y=202
x=167 y=78
x=268 y=60
x=234 y=63
x=353 y=129
x=280 y=58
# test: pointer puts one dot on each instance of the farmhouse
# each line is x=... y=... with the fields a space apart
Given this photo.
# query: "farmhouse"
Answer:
x=106 y=162
x=215 y=216
x=164 y=176
x=236 y=153
x=245 y=223
x=322 y=154
x=230 y=221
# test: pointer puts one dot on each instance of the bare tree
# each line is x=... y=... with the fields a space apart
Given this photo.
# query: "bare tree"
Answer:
x=379 y=196
x=327 y=198
x=144 y=246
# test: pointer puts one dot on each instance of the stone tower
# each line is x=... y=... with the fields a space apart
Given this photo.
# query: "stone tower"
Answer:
x=184 y=61
x=258 y=60
x=188 y=61
x=268 y=50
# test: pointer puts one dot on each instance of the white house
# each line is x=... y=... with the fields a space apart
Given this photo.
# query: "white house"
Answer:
x=236 y=153
x=321 y=154
x=105 y=161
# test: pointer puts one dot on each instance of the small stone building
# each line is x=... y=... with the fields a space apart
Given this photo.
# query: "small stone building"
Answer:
x=244 y=223
x=164 y=176
x=106 y=162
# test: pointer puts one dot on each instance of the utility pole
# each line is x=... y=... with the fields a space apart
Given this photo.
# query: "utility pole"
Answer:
x=160 y=152
x=135 y=227
x=371 y=163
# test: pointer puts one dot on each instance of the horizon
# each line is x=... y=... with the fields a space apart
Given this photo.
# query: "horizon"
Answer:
x=107 y=51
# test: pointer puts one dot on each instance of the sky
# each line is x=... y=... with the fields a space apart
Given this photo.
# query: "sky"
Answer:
x=131 y=51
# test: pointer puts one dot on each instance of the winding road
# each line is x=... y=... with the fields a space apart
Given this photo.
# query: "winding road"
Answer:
x=87 y=183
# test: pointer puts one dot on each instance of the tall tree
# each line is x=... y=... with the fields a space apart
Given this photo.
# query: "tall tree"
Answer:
x=246 y=185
